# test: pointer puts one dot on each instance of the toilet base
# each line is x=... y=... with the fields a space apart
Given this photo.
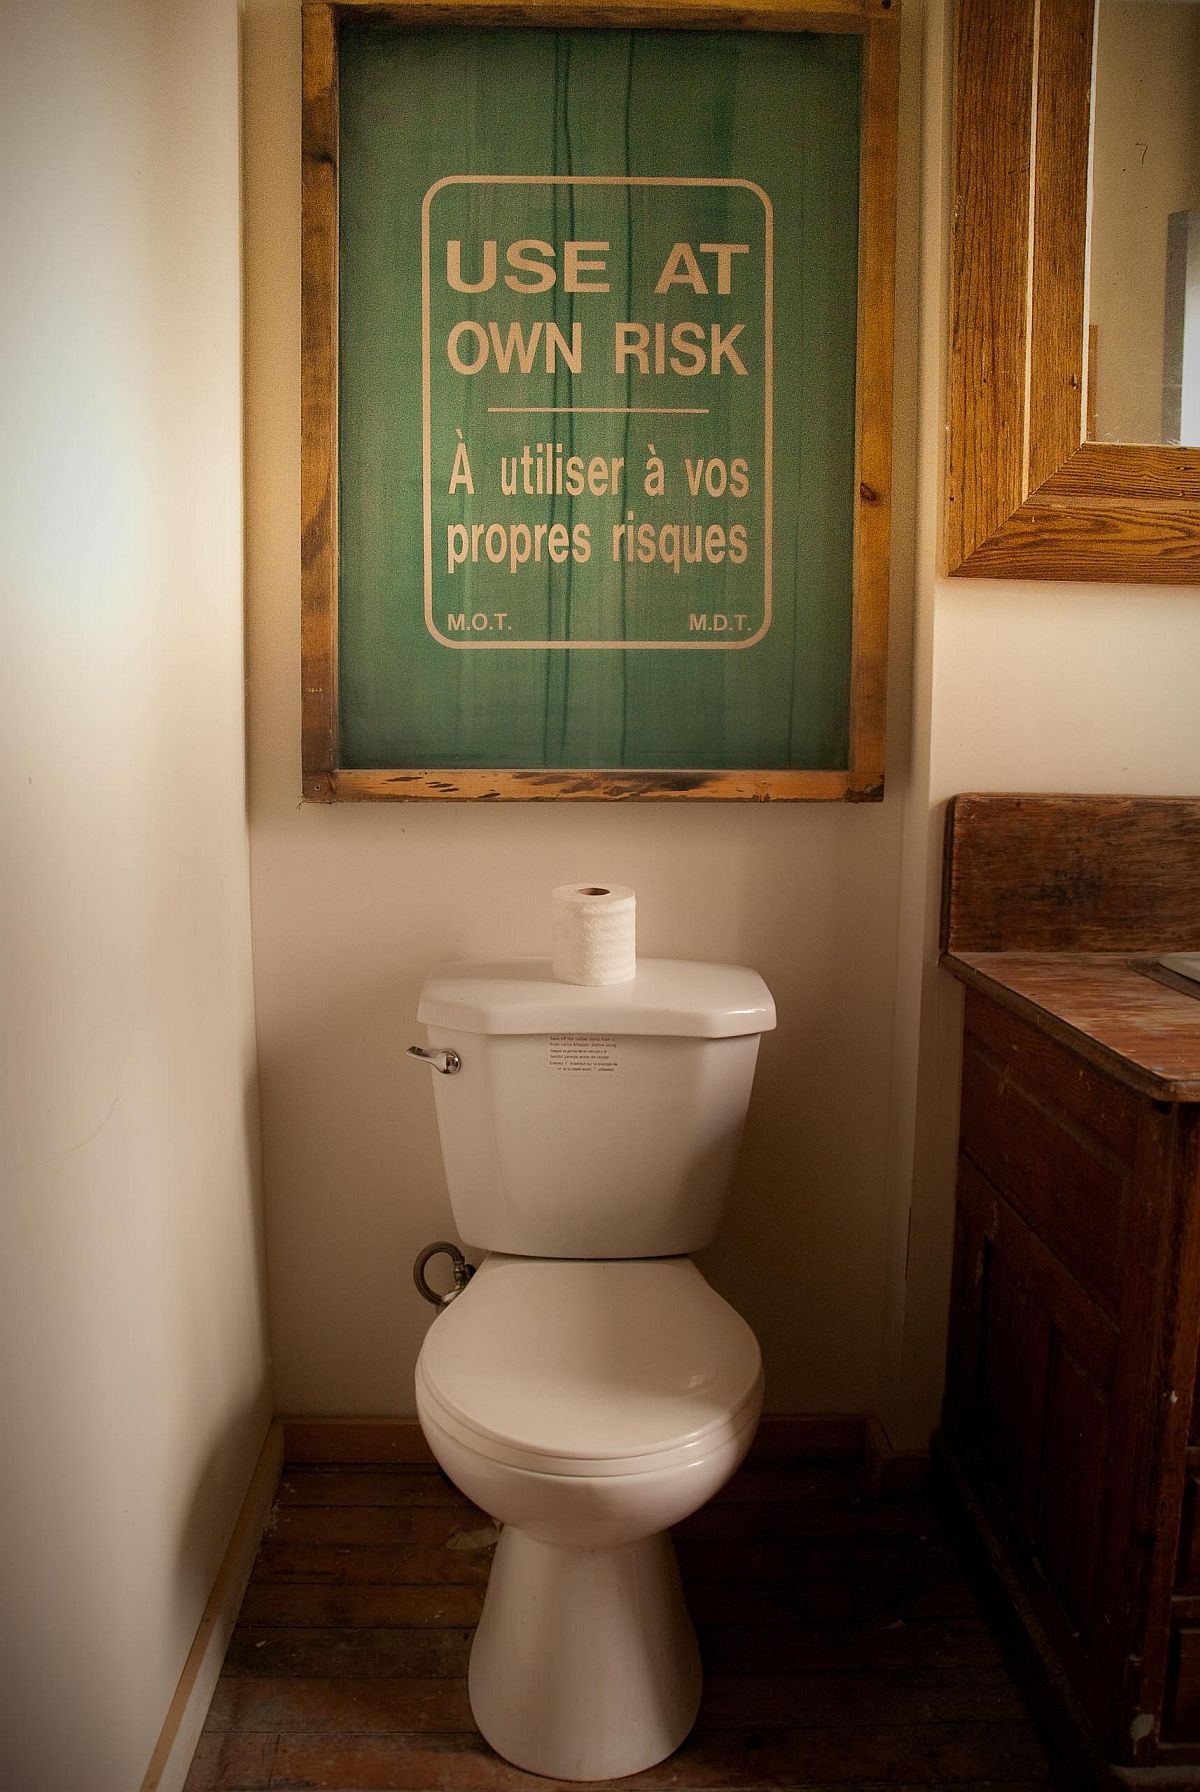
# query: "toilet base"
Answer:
x=585 y=1665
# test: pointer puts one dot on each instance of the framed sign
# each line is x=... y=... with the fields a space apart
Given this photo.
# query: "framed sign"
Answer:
x=596 y=382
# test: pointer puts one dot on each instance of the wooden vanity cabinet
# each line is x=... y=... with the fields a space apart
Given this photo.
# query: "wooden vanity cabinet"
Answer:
x=1071 y=1427
x=1071 y=1410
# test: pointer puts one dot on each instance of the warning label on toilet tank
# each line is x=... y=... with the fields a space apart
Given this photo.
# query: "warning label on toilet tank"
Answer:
x=583 y=1052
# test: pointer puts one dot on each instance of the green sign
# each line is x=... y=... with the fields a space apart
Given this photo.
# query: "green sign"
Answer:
x=597 y=350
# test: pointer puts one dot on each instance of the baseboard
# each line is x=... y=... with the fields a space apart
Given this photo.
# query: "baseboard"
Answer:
x=809 y=1437
x=782 y=1437
x=893 y=1473
x=332 y=1441
x=186 y=1713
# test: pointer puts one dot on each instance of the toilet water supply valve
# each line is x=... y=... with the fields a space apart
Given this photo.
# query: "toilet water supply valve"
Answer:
x=447 y=1063
x=463 y=1271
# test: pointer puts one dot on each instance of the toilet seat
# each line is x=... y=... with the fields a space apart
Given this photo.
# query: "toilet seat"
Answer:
x=609 y=1367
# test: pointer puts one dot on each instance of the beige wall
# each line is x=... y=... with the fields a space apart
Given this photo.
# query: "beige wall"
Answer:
x=131 y=1328
x=837 y=1245
x=352 y=904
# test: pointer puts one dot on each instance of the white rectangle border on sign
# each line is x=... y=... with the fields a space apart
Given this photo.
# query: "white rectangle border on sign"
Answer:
x=599 y=180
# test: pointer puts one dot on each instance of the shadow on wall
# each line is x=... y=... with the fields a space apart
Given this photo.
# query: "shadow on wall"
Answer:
x=208 y=1528
x=209 y=1517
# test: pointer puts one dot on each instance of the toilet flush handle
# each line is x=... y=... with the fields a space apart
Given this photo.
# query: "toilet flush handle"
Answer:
x=463 y=1271
x=445 y=1061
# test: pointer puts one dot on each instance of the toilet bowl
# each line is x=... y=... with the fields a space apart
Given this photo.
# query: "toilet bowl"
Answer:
x=587 y=1406
x=588 y=1388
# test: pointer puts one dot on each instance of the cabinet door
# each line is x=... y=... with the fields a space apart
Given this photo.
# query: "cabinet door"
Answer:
x=1069 y=1386
x=1030 y=1394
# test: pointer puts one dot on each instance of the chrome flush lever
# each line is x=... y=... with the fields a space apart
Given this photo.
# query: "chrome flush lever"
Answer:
x=445 y=1061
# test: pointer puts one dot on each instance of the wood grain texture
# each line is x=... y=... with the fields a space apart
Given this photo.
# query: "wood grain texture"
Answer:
x=1049 y=1282
x=539 y=785
x=318 y=392
x=1175 y=1370
x=1099 y=473
x=1143 y=1466
x=1069 y=530
x=1093 y=368
x=1130 y=1026
x=660 y=15
x=1071 y=1388
x=984 y=1537
x=305 y=1485
x=873 y=401
x=1025 y=496
x=1046 y=1171
x=1181 y=1719
x=1071 y=874
x=356 y=1440
x=861 y=1674
x=1060 y=206
x=324 y=778
x=782 y=1439
x=989 y=237
x=1098 y=1107
x=301 y=1603
x=985 y=1757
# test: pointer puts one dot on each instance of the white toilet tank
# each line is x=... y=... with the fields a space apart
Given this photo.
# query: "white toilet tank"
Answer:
x=592 y=1122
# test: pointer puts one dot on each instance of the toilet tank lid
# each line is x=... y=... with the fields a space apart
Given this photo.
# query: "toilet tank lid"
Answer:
x=669 y=996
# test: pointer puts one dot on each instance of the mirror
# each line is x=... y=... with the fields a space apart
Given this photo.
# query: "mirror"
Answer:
x=1030 y=491
x=1144 y=265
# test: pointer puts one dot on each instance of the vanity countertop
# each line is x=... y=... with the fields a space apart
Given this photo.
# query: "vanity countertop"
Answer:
x=1058 y=907
x=1144 y=1030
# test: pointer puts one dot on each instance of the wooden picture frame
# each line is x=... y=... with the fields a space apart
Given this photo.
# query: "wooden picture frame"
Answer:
x=1027 y=496
x=325 y=777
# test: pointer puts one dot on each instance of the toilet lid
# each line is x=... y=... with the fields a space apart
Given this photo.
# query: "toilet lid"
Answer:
x=591 y=1362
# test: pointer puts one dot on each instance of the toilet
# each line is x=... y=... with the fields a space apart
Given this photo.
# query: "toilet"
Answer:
x=587 y=1387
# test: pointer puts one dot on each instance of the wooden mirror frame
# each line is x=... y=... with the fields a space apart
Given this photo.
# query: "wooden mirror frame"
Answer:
x=1027 y=497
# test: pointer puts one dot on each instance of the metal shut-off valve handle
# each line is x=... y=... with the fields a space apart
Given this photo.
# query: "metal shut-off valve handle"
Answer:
x=445 y=1061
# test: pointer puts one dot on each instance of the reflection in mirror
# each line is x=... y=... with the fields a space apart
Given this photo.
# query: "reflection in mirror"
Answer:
x=1144 y=268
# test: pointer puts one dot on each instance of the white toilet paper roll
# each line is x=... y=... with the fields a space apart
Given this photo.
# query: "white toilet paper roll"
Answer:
x=595 y=939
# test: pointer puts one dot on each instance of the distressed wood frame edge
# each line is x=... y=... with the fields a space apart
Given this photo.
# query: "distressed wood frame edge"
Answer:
x=1026 y=496
x=318 y=393
x=877 y=22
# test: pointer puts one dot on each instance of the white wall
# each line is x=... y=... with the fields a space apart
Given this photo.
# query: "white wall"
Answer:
x=353 y=903
x=131 y=1312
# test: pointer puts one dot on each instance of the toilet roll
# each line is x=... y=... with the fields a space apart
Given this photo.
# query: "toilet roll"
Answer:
x=595 y=937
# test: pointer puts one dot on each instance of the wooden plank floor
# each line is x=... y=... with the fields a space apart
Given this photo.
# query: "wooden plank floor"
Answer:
x=842 y=1646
